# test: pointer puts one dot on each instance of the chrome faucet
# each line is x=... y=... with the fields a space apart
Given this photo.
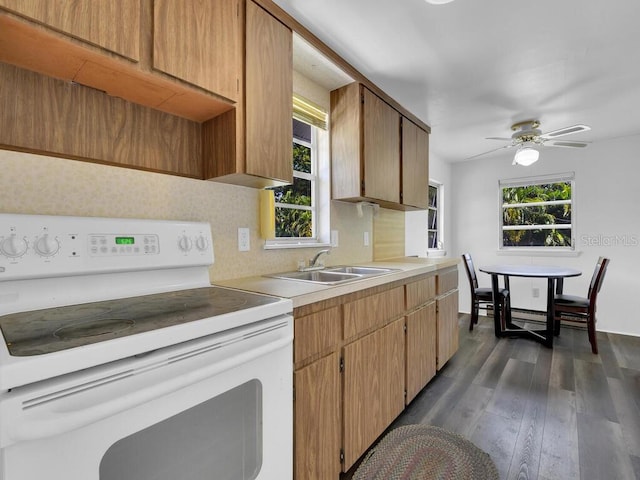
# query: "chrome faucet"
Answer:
x=312 y=262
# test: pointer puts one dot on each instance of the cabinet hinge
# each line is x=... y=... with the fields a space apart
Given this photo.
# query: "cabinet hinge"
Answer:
x=237 y=85
x=362 y=98
x=341 y=456
x=362 y=185
x=341 y=364
x=294 y=394
x=401 y=197
x=405 y=328
x=405 y=395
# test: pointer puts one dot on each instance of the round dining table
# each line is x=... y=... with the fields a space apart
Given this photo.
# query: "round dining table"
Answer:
x=504 y=327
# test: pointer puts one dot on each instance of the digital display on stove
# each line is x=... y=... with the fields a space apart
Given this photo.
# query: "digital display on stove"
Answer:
x=125 y=240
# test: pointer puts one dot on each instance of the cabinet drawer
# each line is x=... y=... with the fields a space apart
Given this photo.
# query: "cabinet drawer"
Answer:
x=372 y=311
x=447 y=281
x=420 y=292
x=316 y=332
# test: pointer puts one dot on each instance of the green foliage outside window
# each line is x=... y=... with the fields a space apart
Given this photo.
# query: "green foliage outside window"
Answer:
x=295 y=222
x=549 y=217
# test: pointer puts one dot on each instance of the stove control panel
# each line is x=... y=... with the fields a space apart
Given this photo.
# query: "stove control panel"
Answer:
x=107 y=245
x=40 y=246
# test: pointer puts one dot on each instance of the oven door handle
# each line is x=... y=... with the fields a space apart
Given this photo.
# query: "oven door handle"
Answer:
x=39 y=413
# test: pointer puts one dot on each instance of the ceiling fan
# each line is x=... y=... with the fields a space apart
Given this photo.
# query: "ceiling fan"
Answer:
x=527 y=137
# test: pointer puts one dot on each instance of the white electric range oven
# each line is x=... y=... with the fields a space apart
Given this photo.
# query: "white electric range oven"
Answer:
x=119 y=360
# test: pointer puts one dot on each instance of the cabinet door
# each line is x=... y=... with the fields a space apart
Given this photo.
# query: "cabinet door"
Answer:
x=447 y=327
x=317 y=420
x=381 y=149
x=198 y=42
x=373 y=387
x=269 y=96
x=415 y=165
x=421 y=349
x=113 y=25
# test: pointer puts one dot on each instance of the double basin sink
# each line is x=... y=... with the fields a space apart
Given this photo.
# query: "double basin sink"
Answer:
x=334 y=275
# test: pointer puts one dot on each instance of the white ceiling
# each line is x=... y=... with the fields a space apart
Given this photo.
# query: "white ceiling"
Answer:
x=472 y=68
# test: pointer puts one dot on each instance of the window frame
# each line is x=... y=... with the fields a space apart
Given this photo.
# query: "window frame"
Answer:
x=319 y=177
x=568 y=177
x=439 y=186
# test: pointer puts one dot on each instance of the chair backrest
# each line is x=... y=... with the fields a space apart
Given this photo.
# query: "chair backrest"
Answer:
x=471 y=271
x=596 y=280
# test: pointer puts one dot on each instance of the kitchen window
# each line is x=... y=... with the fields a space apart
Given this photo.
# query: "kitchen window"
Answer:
x=301 y=209
x=537 y=213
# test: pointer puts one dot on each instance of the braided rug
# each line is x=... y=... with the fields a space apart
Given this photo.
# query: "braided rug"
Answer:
x=421 y=452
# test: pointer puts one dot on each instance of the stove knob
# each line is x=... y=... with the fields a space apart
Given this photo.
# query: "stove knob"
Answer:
x=184 y=243
x=47 y=246
x=202 y=243
x=13 y=246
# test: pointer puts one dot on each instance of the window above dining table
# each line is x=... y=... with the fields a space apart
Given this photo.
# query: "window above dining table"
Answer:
x=537 y=213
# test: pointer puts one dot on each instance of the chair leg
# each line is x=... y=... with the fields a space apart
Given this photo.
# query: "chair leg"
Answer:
x=474 y=314
x=591 y=328
x=556 y=327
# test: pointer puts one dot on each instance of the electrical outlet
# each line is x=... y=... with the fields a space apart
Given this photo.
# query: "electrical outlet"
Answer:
x=536 y=292
x=366 y=239
x=243 y=240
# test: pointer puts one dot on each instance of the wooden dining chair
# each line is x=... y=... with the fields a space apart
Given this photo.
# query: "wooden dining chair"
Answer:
x=482 y=297
x=581 y=309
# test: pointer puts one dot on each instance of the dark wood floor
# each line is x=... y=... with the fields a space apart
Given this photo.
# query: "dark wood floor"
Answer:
x=541 y=414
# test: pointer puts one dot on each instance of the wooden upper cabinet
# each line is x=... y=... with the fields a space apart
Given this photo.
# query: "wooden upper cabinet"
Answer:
x=415 y=165
x=268 y=96
x=381 y=149
x=198 y=42
x=113 y=25
x=365 y=147
x=252 y=145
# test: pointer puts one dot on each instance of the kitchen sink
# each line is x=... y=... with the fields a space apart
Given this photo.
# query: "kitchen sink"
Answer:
x=333 y=275
x=361 y=270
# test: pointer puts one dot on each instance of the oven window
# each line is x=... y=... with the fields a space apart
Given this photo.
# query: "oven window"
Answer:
x=220 y=438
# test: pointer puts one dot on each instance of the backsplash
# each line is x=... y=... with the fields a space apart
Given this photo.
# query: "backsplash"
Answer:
x=35 y=184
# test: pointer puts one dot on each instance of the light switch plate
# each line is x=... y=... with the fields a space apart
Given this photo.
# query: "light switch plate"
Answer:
x=243 y=240
x=366 y=239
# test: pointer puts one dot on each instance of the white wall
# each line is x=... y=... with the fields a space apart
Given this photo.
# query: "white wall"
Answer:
x=607 y=221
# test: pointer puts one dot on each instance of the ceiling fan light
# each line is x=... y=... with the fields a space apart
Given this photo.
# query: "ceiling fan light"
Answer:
x=438 y=2
x=526 y=156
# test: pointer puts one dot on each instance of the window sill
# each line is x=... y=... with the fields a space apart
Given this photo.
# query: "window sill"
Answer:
x=538 y=252
x=274 y=245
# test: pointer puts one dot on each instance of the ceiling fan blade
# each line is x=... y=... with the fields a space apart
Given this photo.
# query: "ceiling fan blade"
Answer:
x=565 y=131
x=567 y=144
x=490 y=151
x=499 y=138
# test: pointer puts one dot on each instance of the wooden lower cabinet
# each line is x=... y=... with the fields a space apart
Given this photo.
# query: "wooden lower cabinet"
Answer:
x=421 y=349
x=447 y=324
x=355 y=357
x=373 y=388
x=317 y=420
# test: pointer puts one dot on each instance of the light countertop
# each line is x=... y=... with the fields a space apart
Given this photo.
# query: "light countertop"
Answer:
x=304 y=293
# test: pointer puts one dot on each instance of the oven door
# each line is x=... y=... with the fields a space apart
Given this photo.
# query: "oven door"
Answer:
x=217 y=407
